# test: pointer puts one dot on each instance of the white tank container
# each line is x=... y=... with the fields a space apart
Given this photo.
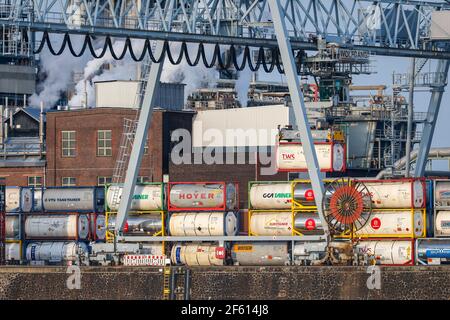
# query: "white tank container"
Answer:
x=391 y=252
x=12 y=227
x=13 y=251
x=261 y=254
x=202 y=195
x=394 y=224
x=145 y=198
x=397 y=194
x=195 y=254
x=73 y=199
x=203 y=224
x=442 y=193
x=290 y=157
x=68 y=226
x=98 y=226
x=55 y=251
x=271 y=223
x=37 y=200
x=270 y=196
x=442 y=223
x=18 y=199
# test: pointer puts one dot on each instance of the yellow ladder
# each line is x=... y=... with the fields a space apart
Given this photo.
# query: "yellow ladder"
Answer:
x=166 y=283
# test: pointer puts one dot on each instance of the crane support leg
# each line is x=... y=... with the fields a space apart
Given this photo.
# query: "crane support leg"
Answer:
x=137 y=150
x=299 y=107
x=430 y=122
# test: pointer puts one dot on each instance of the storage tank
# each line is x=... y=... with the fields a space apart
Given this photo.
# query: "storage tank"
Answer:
x=260 y=253
x=393 y=194
x=80 y=199
x=274 y=195
x=142 y=224
x=18 y=199
x=388 y=252
x=330 y=157
x=54 y=252
x=57 y=226
x=433 y=249
x=12 y=227
x=37 y=200
x=442 y=223
x=206 y=196
x=394 y=224
x=442 y=193
x=304 y=194
x=197 y=254
x=13 y=251
x=203 y=224
x=273 y=223
x=147 y=197
x=98 y=226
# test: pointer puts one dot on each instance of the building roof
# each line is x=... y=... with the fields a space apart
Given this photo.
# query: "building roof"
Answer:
x=33 y=112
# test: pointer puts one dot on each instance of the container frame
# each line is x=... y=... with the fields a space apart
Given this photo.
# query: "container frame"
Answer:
x=97 y=208
x=22 y=258
x=110 y=234
x=21 y=225
x=20 y=209
x=331 y=143
x=223 y=206
x=411 y=262
x=251 y=183
x=353 y=235
x=235 y=213
x=163 y=195
x=50 y=239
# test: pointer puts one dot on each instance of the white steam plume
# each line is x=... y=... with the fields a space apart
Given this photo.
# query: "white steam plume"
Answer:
x=242 y=85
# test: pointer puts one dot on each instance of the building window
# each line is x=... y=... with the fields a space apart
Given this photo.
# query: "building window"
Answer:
x=68 y=143
x=35 y=181
x=104 y=145
x=102 y=181
x=69 y=182
x=142 y=179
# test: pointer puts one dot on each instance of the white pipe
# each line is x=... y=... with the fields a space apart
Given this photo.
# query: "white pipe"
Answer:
x=401 y=163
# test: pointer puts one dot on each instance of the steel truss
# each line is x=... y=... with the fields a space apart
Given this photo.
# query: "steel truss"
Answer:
x=385 y=27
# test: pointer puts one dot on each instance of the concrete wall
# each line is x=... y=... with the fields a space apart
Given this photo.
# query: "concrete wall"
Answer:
x=229 y=283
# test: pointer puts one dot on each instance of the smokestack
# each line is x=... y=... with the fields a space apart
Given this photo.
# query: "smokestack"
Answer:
x=41 y=129
x=24 y=100
x=11 y=118
x=85 y=99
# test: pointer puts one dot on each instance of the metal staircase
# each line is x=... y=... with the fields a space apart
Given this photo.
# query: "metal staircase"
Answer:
x=129 y=130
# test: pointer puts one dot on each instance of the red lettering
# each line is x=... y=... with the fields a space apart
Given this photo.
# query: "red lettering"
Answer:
x=289 y=156
x=182 y=196
x=189 y=196
x=203 y=196
x=210 y=195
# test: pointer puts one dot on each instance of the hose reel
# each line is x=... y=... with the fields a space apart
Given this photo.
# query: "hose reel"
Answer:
x=347 y=205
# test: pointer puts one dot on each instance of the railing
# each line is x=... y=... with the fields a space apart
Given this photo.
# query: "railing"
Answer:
x=423 y=79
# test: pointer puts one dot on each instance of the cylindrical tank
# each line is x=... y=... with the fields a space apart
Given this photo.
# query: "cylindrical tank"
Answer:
x=98 y=226
x=433 y=248
x=184 y=196
x=308 y=223
x=203 y=224
x=330 y=157
x=392 y=252
x=197 y=254
x=272 y=223
x=270 y=195
x=13 y=251
x=12 y=227
x=442 y=193
x=145 y=198
x=397 y=194
x=37 y=200
x=55 y=251
x=86 y=199
x=18 y=199
x=442 y=223
x=394 y=224
x=57 y=226
x=261 y=254
x=141 y=224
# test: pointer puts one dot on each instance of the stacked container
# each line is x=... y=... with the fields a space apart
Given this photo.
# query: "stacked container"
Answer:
x=146 y=216
x=398 y=217
x=207 y=209
x=18 y=203
x=437 y=250
x=63 y=222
